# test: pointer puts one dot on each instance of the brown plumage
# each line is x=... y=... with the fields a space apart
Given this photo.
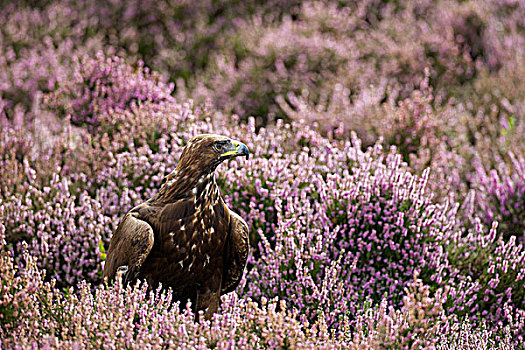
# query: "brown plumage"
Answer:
x=185 y=236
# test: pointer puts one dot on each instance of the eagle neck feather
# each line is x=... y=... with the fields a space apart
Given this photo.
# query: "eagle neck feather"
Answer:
x=188 y=183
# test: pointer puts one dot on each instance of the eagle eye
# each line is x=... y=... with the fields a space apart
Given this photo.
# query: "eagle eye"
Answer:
x=219 y=145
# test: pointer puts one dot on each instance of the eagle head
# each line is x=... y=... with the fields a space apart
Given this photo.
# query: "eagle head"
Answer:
x=205 y=152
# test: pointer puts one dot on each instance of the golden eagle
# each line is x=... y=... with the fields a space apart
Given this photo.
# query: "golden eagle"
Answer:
x=185 y=236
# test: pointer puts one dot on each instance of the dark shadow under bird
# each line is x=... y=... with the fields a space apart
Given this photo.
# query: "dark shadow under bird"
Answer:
x=185 y=236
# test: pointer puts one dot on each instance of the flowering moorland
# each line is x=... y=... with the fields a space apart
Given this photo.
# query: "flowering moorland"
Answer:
x=385 y=195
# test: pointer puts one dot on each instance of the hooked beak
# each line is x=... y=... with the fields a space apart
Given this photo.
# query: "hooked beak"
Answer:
x=235 y=149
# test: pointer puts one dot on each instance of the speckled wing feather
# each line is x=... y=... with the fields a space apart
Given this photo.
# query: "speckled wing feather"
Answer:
x=177 y=252
x=236 y=253
x=172 y=216
x=130 y=246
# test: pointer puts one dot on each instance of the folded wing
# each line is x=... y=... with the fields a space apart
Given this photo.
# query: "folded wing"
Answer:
x=130 y=245
x=236 y=253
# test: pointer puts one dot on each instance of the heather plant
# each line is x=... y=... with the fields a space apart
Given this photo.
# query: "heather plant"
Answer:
x=452 y=138
x=61 y=228
x=174 y=37
x=363 y=231
x=219 y=49
x=37 y=313
x=326 y=230
x=104 y=86
x=17 y=286
x=464 y=335
x=138 y=317
x=421 y=323
x=321 y=48
x=33 y=152
x=39 y=41
x=37 y=45
x=487 y=120
x=499 y=196
x=290 y=189
x=415 y=325
x=360 y=48
x=477 y=137
x=491 y=279
x=458 y=140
